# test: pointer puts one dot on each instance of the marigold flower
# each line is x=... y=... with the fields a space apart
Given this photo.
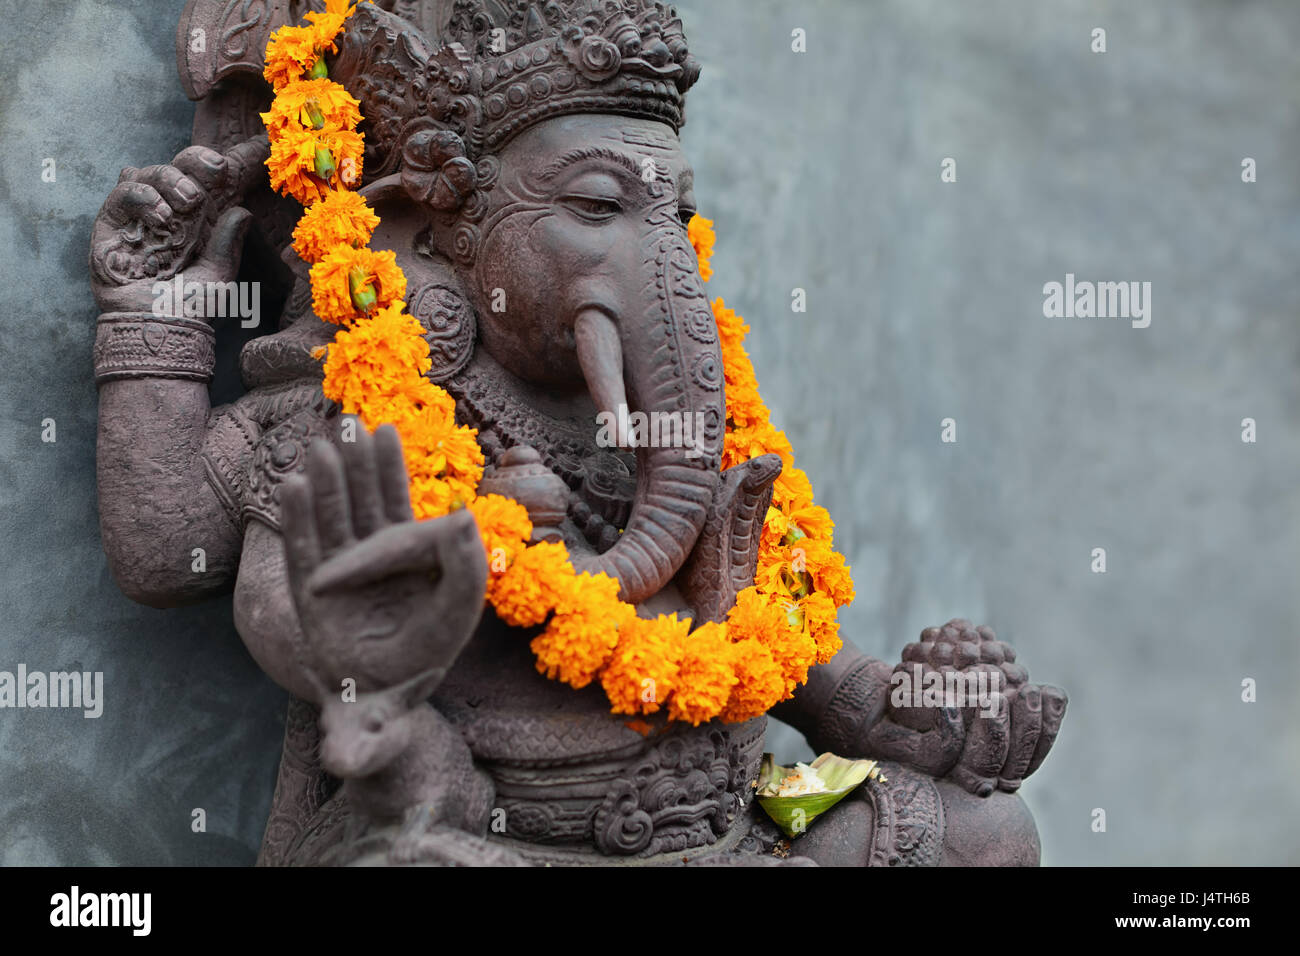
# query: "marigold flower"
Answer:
x=295 y=162
x=531 y=587
x=369 y=362
x=293 y=51
x=775 y=527
x=795 y=652
x=431 y=497
x=744 y=404
x=775 y=574
x=590 y=591
x=785 y=527
x=312 y=105
x=583 y=632
x=333 y=278
x=292 y=163
x=705 y=677
x=760 y=683
x=505 y=528
x=436 y=493
x=334 y=8
x=731 y=327
x=744 y=407
x=700 y=232
x=464 y=456
x=642 y=673
x=821 y=625
x=766 y=618
x=744 y=444
x=792 y=489
x=443 y=448
x=793 y=567
x=342 y=218
x=830 y=575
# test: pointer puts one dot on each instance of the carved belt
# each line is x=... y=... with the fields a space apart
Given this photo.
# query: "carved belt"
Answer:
x=683 y=790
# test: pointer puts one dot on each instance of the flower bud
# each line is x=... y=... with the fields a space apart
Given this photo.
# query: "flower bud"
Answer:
x=324 y=166
x=362 y=292
x=311 y=116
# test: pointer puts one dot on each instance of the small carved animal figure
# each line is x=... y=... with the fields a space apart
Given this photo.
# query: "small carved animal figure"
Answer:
x=395 y=753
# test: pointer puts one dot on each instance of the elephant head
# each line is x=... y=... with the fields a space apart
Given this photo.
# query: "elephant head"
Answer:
x=585 y=283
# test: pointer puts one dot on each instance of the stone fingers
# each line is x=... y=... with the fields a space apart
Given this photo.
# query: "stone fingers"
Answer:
x=298 y=524
x=365 y=496
x=204 y=166
x=1026 y=728
x=391 y=469
x=181 y=192
x=403 y=548
x=1055 y=701
x=329 y=497
x=136 y=202
x=987 y=740
x=224 y=247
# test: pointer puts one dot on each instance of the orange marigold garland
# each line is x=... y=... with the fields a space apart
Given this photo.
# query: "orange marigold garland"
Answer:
x=374 y=369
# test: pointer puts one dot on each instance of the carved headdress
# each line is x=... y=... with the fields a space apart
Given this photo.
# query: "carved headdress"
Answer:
x=484 y=70
x=445 y=84
x=475 y=71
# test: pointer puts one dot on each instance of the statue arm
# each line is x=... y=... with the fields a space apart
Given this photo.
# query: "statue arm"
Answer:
x=841 y=700
x=170 y=537
x=167 y=521
x=949 y=793
x=265 y=615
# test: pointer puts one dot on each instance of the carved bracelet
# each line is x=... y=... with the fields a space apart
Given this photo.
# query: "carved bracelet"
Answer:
x=144 y=345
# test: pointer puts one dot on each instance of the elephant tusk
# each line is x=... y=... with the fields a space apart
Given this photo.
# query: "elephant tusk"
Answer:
x=600 y=354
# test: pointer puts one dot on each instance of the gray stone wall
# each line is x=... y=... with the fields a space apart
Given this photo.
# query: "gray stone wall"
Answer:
x=925 y=302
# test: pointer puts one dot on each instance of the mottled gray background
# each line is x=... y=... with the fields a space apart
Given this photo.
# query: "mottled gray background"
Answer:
x=925 y=302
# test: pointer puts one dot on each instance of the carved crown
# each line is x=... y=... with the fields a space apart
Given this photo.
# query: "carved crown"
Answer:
x=484 y=70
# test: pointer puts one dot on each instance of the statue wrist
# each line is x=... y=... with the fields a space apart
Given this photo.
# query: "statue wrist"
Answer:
x=853 y=698
x=145 y=345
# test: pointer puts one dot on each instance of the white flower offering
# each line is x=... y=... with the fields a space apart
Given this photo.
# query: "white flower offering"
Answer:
x=803 y=781
x=795 y=796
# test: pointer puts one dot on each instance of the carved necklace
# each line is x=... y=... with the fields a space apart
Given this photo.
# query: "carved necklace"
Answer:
x=375 y=368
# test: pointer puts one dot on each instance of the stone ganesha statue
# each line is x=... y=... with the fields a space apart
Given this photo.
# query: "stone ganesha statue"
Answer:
x=505 y=149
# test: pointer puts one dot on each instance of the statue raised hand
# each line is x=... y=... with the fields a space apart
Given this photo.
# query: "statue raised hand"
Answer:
x=160 y=221
x=380 y=596
x=386 y=603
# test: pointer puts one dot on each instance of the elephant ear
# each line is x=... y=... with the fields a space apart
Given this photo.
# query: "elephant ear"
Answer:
x=434 y=292
x=217 y=41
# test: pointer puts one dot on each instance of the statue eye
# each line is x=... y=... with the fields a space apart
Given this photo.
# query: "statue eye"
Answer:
x=686 y=214
x=593 y=208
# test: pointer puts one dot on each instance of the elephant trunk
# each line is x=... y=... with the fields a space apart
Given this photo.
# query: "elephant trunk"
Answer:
x=658 y=371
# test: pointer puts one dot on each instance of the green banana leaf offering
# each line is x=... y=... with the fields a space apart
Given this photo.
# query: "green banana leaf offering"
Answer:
x=811 y=789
